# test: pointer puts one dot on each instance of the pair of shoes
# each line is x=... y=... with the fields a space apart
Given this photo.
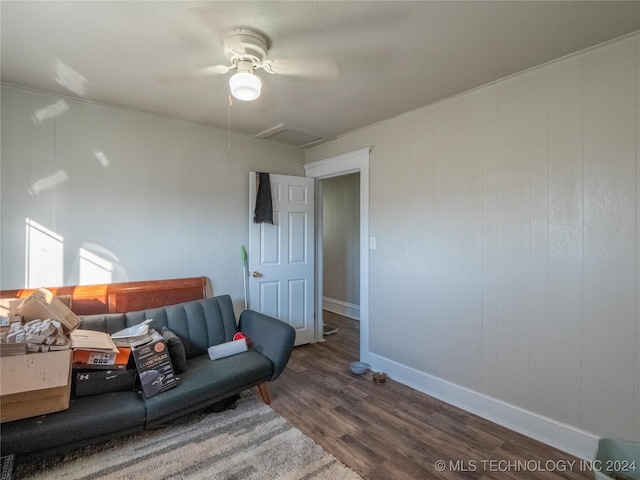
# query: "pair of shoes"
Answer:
x=328 y=330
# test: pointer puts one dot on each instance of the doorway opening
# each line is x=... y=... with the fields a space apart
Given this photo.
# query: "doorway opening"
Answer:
x=354 y=162
x=340 y=196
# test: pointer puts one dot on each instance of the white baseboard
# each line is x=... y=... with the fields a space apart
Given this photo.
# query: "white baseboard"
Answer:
x=564 y=437
x=341 y=308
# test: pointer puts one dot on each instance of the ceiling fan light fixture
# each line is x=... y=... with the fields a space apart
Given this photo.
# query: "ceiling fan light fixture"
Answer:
x=244 y=84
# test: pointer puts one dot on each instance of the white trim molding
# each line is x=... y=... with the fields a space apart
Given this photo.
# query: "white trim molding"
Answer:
x=339 y=165
x=356 y=161
x=345 y=309
x=564 y=437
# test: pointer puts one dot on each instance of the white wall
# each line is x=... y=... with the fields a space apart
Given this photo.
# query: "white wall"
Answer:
x=158 y=198
x=507 y=272
x=341 y=243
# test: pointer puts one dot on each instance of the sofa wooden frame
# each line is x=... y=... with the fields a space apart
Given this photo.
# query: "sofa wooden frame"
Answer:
x=125 y=296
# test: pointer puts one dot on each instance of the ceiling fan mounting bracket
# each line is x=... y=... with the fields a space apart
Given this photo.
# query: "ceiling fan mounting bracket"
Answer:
x=242 y=44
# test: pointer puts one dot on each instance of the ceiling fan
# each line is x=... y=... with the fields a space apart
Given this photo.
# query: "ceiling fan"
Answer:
x=247 y=52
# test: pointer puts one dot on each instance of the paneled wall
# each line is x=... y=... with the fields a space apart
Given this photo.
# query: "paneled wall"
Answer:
x=341 y=240
x=508 y=241
x=148 y=197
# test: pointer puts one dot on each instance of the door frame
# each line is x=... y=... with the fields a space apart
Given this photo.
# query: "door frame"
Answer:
x=353 y=162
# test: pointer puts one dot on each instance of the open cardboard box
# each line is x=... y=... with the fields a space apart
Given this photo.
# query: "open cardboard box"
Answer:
x=43 y=304
x=93 y=349
x=35 y=384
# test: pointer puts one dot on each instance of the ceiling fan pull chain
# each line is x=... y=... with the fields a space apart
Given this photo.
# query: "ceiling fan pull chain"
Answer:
x=229 y=130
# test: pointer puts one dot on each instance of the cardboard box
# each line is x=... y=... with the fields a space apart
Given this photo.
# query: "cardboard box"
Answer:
x=5 y=325
x=9 y=306
x=92 y=340
x=93 y=349
x=154 y=366
x=94 y=382
x=101 y=360
x=34 y=384
x=43 y=304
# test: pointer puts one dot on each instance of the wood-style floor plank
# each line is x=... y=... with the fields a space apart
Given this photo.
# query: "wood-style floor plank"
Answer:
x=390 y=431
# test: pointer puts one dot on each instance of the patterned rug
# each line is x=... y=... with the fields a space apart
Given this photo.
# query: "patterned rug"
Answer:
x=249 y=442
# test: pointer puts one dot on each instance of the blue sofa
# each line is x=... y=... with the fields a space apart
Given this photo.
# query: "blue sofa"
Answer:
x=199 y=324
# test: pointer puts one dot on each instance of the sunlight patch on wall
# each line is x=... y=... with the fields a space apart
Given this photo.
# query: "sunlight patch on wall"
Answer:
x=44 y=256
x=49 y=182
x=94 y=269
x=50 y=111
x=102 y=158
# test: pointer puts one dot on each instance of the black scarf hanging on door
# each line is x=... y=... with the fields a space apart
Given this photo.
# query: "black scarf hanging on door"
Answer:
x=263 y=212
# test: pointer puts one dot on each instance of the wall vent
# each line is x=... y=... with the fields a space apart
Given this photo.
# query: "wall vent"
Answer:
x=292 y=136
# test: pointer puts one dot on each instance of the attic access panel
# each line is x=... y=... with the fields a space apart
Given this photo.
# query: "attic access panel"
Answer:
x=292 y=136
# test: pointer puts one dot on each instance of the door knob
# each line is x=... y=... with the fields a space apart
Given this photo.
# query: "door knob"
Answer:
x=256 y=274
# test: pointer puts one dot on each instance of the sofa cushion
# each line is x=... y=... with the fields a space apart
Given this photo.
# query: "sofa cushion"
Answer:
x=176 y=350
x=108 y=322
x=87 y=420
x=199 y=324
x=207 y=381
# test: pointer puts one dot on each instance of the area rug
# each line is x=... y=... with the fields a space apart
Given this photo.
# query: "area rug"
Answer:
x=249 y=442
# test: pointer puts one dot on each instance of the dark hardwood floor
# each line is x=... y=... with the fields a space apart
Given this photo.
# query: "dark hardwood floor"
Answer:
x=390 y=431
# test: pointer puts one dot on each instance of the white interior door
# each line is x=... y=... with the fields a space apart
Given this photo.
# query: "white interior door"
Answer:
x=281 y=256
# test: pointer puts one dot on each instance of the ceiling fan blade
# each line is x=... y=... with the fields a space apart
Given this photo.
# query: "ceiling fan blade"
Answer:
x=216 y=18
x=195 y=74
x=316 y=68
x=215 y=70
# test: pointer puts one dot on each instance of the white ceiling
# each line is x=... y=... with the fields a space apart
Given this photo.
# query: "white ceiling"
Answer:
x=393 y=56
